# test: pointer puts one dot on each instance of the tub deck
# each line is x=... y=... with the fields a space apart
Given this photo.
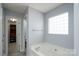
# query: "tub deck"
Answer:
x=46 y=49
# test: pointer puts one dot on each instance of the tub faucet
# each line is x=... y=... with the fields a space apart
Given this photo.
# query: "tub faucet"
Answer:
x=55 y=49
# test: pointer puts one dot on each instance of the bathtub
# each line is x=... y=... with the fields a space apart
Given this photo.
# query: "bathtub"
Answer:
x=46 y=49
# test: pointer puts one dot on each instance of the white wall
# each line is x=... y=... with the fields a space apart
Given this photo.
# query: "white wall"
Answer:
x=24 y=32
x=3 y=42
x=62 y=40
x=18 y=35
x=1 y=14
x=35 y=26
x=76 y=28
x=25 y=28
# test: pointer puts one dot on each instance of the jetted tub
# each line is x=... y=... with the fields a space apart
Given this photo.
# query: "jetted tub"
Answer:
x=46 y=49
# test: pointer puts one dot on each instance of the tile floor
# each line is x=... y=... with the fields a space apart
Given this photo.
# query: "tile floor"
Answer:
x=12 y=50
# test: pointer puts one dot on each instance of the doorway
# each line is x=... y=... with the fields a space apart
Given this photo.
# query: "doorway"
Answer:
x=14 y=35
x=11 y=37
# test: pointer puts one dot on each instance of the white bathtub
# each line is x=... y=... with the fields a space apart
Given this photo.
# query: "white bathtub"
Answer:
x=46 y=49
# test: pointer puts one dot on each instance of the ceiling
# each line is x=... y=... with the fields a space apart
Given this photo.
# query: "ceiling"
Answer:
x=20 y=7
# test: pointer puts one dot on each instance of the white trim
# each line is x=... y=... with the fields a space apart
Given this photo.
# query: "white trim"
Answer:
x=6 y=21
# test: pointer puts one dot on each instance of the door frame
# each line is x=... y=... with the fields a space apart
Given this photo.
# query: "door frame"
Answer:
x=6 y=34
x=22 y=36
x=18 y=44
